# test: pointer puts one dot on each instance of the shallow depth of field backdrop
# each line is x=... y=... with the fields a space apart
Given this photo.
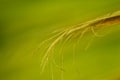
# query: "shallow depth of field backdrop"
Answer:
x=26 y=23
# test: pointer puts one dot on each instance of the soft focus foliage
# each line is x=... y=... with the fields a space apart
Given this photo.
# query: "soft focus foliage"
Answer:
x=24 y=24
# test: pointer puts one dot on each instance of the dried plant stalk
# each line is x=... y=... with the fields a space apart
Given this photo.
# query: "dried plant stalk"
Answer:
x=80 y=29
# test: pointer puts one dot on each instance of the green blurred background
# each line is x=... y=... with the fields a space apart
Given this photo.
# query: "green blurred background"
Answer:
x=26 y=23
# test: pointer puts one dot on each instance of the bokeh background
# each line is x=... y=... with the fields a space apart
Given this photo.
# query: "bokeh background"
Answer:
x=24 y=24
